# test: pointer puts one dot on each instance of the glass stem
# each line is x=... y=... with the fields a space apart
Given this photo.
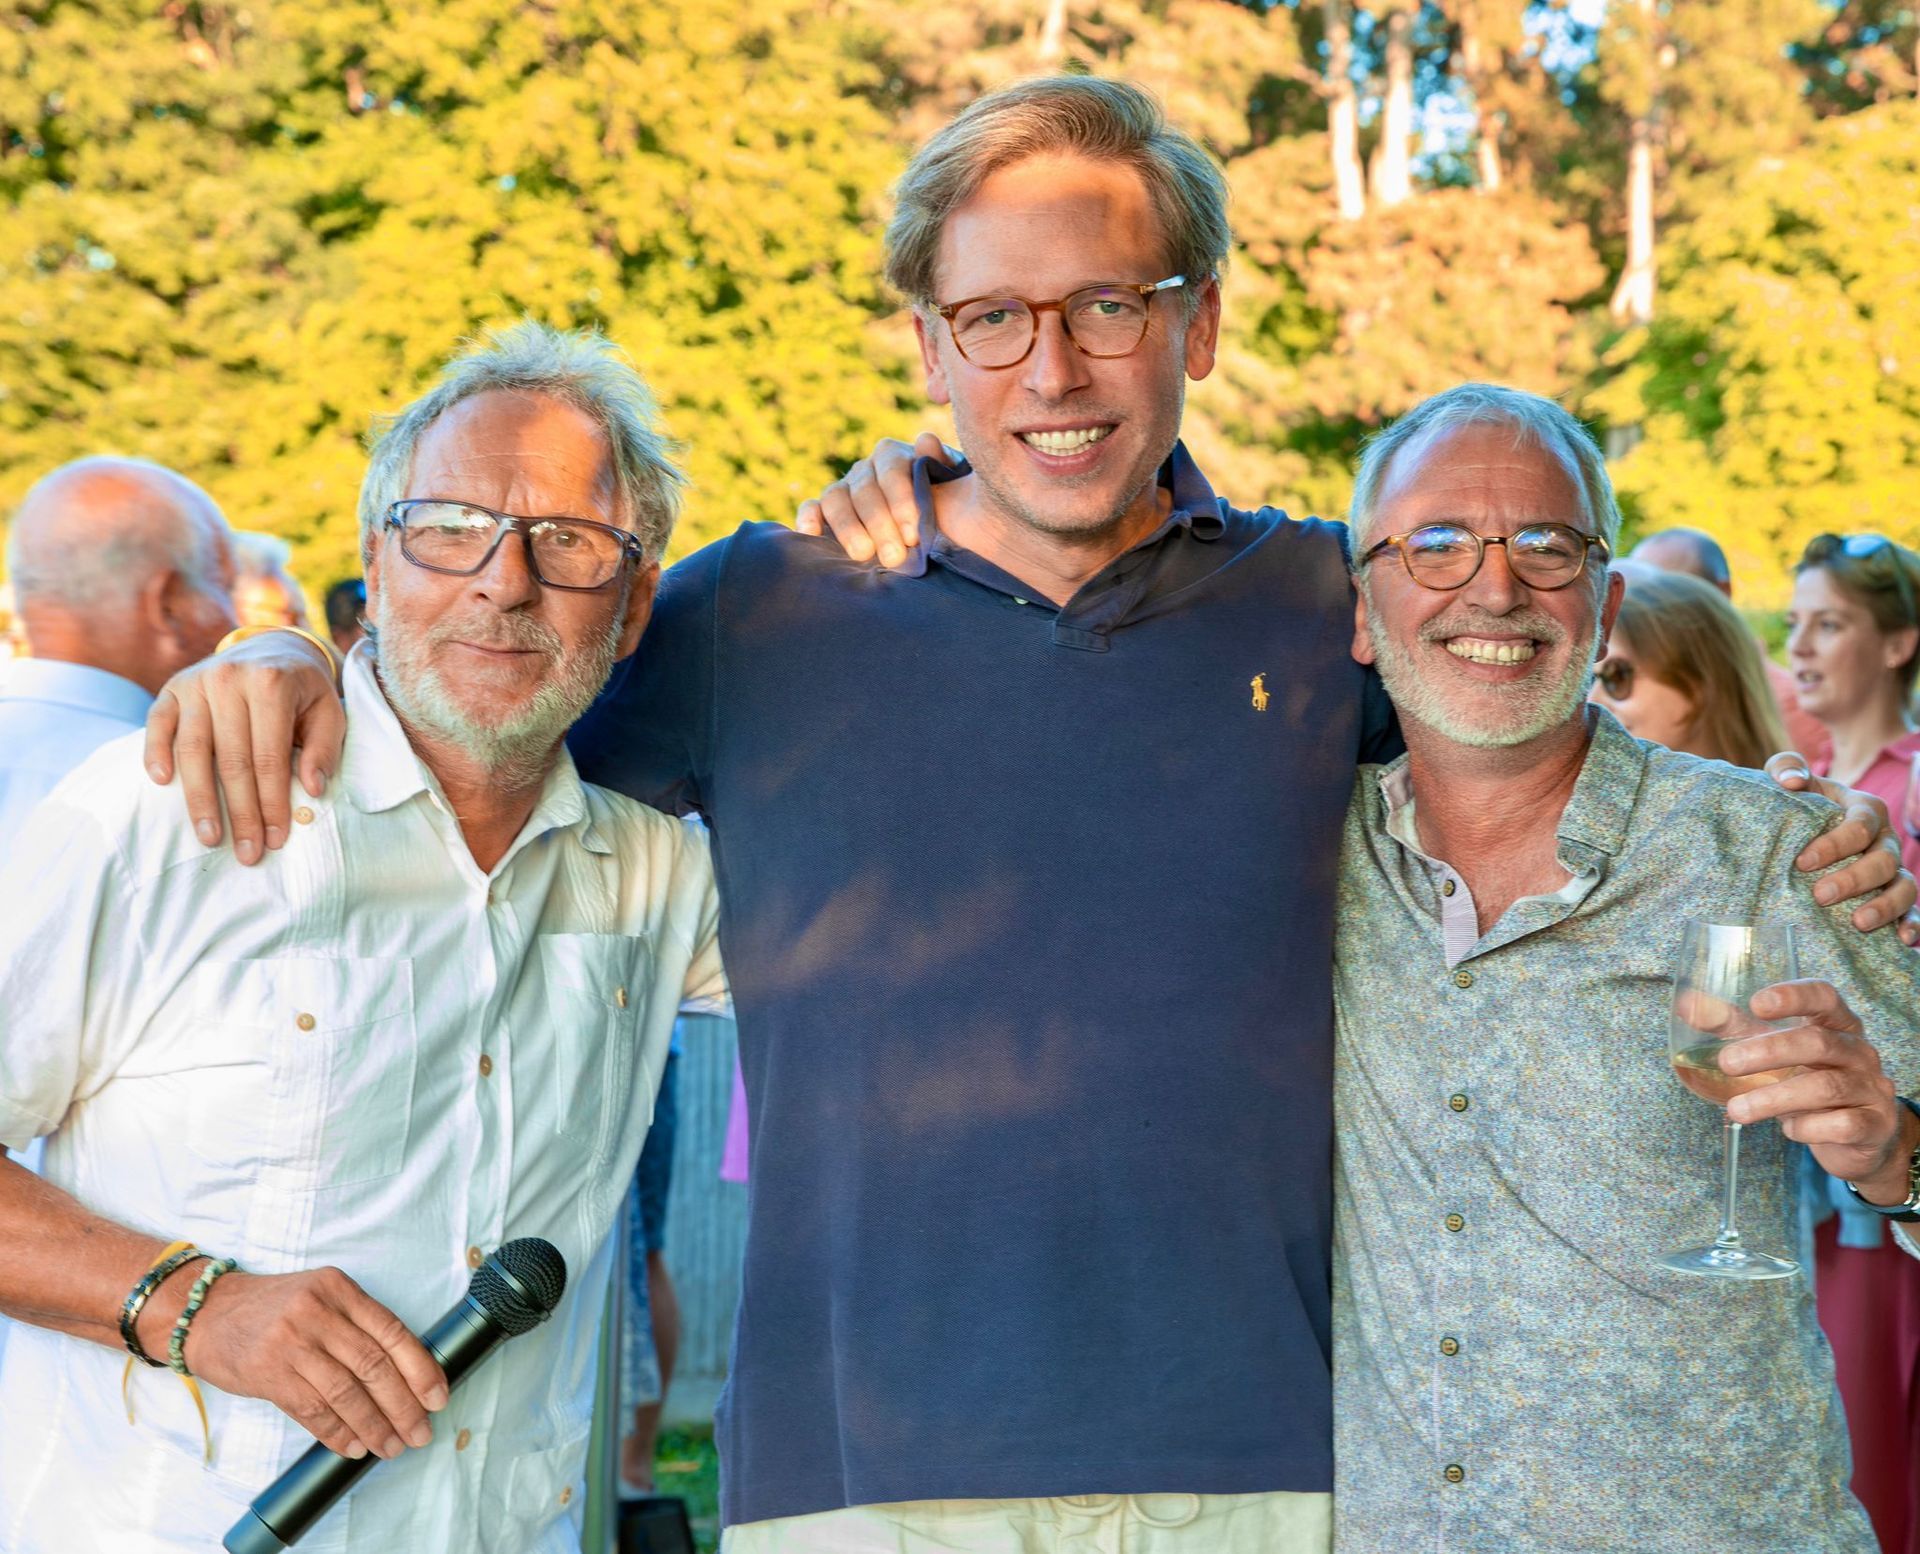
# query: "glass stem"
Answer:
x=1729 y=1238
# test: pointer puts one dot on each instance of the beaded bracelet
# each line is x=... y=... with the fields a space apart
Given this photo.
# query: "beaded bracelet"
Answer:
x=163 y=1267
x=196 y=1298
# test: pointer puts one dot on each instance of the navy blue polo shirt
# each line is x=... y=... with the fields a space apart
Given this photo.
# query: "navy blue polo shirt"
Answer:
x=1029 y=918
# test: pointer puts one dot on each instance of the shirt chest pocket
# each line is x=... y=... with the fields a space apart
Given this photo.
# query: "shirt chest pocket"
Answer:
x=595 y=992
x=303 y=1069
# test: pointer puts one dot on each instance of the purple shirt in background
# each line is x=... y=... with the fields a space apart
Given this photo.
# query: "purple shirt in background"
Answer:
x=733 y=1155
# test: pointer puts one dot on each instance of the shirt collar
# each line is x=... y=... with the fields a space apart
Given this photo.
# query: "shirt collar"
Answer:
x=77 y=685
x=380 y=769
x=1597 y=815
x=1195 y=507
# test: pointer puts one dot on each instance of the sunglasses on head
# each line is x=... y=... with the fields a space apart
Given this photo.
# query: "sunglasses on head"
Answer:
x=1866 y=548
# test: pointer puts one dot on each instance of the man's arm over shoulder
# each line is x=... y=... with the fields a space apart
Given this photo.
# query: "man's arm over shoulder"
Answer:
x=650 y=734
x=1875 y=972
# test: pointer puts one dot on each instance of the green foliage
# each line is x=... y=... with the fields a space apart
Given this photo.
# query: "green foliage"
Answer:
x=235 y=236
x=236 y=232
x=1779 y=389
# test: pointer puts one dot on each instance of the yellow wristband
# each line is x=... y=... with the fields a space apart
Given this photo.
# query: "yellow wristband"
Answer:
x=243 y=633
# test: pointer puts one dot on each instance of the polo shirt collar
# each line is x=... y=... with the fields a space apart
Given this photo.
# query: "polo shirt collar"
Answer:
x=1195 y=507
x=380 y=770
x=1592 y=826
x=80 y=686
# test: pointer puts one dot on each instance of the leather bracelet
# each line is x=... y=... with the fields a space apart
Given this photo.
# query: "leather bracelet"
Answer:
x=196 y=1298
x=172 y=1258
x=241 y=634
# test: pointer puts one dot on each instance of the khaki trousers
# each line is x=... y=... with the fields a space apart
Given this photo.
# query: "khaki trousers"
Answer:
x=1278 y=1523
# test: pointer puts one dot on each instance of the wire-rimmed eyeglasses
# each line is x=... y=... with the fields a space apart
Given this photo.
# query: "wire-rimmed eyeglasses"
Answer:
x=1103 y=321
x=1449 y=555
x=459 y=538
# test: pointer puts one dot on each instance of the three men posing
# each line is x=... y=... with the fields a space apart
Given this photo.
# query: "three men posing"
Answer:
x=1030 y=904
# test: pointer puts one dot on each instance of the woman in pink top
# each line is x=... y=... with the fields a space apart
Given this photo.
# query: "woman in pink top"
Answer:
x=1853 y=641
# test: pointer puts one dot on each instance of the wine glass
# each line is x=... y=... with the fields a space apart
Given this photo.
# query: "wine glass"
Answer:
x=1722 y=965
x=1911 y=809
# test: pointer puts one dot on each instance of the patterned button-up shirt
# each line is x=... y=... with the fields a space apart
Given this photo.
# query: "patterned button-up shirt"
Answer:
x=1513 y=1372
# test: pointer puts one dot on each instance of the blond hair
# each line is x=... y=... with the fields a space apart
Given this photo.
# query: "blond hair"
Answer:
x=1102 y=120
x=1683 y=632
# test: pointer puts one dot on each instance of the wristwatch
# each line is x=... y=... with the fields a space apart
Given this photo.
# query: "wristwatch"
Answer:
x=1910 y=1210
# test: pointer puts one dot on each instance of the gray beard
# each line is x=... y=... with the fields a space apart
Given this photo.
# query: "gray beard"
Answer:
x=1530 y=711
x=519 y=750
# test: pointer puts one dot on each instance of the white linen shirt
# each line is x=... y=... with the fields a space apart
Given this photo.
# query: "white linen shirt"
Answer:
x=363 y=1052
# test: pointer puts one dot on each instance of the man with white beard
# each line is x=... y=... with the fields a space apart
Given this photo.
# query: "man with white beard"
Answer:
x=289 y=1108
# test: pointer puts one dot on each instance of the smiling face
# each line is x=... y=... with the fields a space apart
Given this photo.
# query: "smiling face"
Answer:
x=497 y=664
x=1065 y=443
x=1494 y=663
x=1842 y=661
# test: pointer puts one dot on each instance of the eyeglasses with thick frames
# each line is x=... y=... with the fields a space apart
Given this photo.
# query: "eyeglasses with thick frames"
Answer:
x=1102 y=321
x=459 y=538
x=1446 y=556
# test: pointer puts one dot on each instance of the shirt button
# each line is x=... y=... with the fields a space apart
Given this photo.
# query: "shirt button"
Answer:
x=1457 y=1102
x=566 y=1495
x=303 y=815
x=620 y=997
x=1447 y=889
x=1452 y=1222
x=486 y=1065
x=475 y=1257
x=1453 y=1473
x=1449 y=1346
x=463 y=1440
x=304 y=1021
x=1463 y=979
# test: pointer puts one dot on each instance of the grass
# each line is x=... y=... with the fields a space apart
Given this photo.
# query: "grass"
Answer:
x=686 y=1464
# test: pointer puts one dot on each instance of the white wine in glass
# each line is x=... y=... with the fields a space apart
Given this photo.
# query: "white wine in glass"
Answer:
x=1722 y=965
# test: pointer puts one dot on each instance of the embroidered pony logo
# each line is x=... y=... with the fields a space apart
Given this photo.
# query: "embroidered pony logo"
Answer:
x=1260 y=696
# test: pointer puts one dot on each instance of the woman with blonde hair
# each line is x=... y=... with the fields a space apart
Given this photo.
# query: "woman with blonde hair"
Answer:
x=1853 y=643
x=1683 y=670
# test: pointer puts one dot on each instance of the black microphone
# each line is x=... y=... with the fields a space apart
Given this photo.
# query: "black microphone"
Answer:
x=512 y=1292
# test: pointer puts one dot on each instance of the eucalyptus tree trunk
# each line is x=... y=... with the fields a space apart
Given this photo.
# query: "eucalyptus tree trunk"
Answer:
x=1393 y=161
x=1477 y=73
x=1632 y=301
x=1343 y=112
x=1053 y=33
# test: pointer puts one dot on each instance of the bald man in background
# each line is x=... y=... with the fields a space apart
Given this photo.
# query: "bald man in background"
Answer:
x=1698 y=554
x=122 y=573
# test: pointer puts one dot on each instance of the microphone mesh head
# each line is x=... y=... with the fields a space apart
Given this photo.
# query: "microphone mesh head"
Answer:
x=520 y=1284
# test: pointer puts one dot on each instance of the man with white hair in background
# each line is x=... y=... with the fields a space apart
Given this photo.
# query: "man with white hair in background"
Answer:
x=122 y=572
x=289 y=1108
x=264 y=590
